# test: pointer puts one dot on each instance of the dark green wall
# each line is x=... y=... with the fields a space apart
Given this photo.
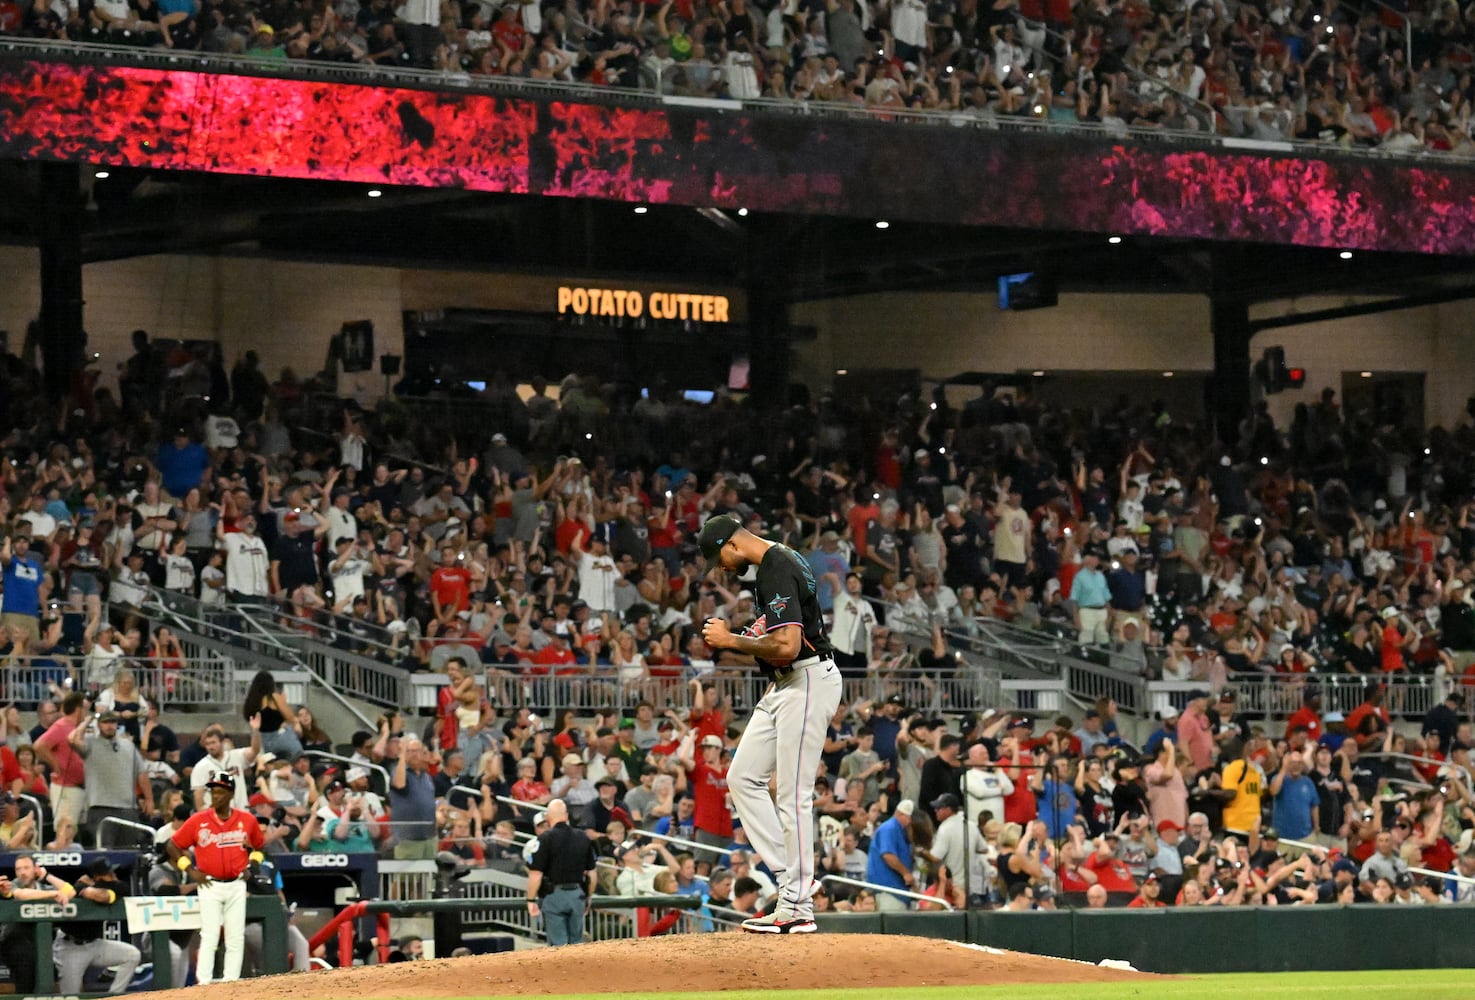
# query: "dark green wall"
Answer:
x=1207 y=939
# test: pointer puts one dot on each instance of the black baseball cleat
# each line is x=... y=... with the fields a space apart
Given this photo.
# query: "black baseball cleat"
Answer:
x=773 y=923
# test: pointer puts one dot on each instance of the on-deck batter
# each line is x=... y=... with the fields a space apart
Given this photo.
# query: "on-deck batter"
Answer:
x=786 y=734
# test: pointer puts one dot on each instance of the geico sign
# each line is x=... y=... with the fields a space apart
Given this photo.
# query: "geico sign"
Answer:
x=325 y=861
x=59 y=858
x=47 y=911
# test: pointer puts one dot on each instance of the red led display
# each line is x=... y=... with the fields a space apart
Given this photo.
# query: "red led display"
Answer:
x=692 y=156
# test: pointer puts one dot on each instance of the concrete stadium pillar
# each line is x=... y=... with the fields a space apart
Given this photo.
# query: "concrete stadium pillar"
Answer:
x=768 y=290
x=59 y=212
x=1229 y=387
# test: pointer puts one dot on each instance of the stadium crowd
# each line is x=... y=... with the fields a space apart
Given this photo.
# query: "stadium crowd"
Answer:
x=555 y=542
x=1365 y=75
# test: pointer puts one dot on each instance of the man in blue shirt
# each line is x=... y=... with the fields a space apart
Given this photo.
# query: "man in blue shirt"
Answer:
x=1296 y=799
x=886 y=723
x=1090 y=595
x=1167 y=730
x=1058 y=805
x=24 y=575
x=889 y=863
x=1128 y=586
x=182 y=464
x=830 y=567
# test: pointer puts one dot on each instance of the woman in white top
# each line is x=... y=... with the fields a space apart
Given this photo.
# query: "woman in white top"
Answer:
x=179 y=571
x=100 y=668
x=125 y=700
x=630 y=663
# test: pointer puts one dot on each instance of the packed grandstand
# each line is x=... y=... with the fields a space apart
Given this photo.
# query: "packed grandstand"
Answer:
x=1368 y=75
x=539 y=565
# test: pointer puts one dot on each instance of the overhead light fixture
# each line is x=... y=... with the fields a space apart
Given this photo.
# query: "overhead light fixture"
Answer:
x=375 y=193
x=101 y=175
x=842 y=371
x=882 y=224
x=1038 y=374
x=641 y=210
x=1167 y=374
x=1366 y=374
x=1345 y=255
x=742 y=213
x=1113 y=240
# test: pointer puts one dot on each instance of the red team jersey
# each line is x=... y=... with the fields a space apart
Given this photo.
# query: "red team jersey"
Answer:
x=222 y=847
x=709 y=789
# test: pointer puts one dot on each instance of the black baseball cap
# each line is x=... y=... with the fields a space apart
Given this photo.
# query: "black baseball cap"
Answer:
x=221 y=780
x=717 y=532
x=99 y=867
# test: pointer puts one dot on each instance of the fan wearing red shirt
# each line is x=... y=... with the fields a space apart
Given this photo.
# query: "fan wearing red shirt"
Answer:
x=225 y=841
x=1150 y=896
x=1393 y=643
x=709 y=717
x=528 y=788
x=1372 y=704
x=450 y=585
x=559 y=657
x=713 y=817
x=12 y=778
x=1111 y=872
x=1308 y=716
x=508 y=31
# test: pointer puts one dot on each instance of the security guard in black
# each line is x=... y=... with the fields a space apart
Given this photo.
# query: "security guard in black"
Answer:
x=561 y=878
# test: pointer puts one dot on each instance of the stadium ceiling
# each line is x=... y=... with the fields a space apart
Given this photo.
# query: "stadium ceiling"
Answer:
x=134 y=213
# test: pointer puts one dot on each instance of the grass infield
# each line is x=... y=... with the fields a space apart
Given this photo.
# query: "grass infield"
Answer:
x=1423 y=984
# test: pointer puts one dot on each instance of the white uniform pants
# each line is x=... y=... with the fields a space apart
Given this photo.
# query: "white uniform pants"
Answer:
x=73 y=960
x=784 y=740
x=222 y=907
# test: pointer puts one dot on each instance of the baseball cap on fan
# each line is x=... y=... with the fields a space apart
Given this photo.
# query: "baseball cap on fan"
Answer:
x=717 y=532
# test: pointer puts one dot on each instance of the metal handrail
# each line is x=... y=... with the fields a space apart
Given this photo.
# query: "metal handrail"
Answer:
x=678 y=841
x=325 y=755
x=332 y=626
x=203 y=631
x=1304 y=845
x=40 y=816
x=1138 y=75
x=473 y=792
x=1416 y=759
x=117 y=821
x=923 y=897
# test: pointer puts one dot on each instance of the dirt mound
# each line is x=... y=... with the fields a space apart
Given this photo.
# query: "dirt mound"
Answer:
x=698 y=962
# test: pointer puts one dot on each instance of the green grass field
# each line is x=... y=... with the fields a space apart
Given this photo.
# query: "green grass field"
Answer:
x=1423 y=984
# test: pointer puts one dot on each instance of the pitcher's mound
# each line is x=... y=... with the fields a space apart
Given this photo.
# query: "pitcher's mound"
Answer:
x=699 y=962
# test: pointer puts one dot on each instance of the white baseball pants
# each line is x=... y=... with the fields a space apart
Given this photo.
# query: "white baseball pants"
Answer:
x=783 y=741
x=222 y=907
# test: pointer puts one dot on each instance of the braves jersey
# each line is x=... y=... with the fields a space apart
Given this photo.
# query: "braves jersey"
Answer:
x=788 y=598
x=222 y=846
